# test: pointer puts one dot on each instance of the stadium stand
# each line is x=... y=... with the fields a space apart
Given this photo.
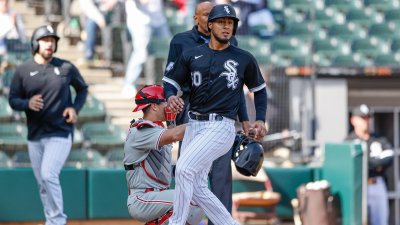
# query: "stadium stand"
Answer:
x=344 y=33
x=85 y=158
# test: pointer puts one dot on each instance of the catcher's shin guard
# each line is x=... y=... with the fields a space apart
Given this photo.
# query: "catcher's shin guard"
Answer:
x=161 y=220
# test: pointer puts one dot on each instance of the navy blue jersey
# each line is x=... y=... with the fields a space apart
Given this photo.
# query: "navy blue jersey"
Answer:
x=52 y=81
x=216 y=78
x=182 y=42
x=379 y=150
x=186 y=40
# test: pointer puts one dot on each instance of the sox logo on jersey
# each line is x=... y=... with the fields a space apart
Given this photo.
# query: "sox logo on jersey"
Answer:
x=231 y=73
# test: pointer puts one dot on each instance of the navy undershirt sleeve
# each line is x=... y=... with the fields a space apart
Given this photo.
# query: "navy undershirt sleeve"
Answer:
x=242 y=112
x=169 y=90
x=260 y=102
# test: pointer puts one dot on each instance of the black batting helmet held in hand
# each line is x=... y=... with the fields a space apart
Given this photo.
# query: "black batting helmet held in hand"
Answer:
x=41 y=32
x=221 y=11
x=247 y=154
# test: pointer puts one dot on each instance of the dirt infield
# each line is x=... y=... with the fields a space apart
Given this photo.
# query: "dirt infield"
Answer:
x=81 y=222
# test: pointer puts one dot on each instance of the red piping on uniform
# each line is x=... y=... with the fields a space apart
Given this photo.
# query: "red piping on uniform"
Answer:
x=149 y=175
x=153 y=201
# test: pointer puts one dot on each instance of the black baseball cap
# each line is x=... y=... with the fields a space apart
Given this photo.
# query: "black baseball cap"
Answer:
x=361 y=110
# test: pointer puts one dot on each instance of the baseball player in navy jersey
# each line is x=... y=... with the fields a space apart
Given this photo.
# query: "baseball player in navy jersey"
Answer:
x=380 y=157
x=148 y=159
x=217 y=72
x=220 y=175
x=41 y=88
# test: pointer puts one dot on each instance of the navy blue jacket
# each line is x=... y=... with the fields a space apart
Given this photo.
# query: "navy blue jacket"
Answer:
x=52 y=81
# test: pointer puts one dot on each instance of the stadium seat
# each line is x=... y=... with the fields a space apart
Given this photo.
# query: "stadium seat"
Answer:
x=286 y=46
x=363 y=17
x=301 y=60
x=327 y=17
x=13 y=136
x=275 y=4
x=344 y=5
x=5 y=161
x=279 y=18
x=103 y=136
x=115 y=157
x=304 y=30
x=369 y=47
x=92 y=110
x=395 y=45
x=382 y=5
x=330 y=46
x=321 y=60
x=294 y=16
x=279 y=61
x=6 y=113
x=346 y=32
x=17 y=51
x=158 y=47
x=392 y=15
x=384 y=31
x=298 y=5
x=21 y=159
x=84 y=158
x=258 y=47
x=7 y=77
x=352 y=60
x=77 y=141
x=391 y=60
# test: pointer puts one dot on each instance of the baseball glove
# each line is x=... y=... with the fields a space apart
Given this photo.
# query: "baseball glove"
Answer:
x=170 y=116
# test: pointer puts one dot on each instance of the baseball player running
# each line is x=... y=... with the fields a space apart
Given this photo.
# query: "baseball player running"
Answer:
x=217 y=72
x=220 y=176
x=148 y=160
x=41 y=87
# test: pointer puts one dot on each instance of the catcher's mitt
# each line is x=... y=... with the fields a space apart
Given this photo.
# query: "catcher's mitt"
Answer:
x=170 y=116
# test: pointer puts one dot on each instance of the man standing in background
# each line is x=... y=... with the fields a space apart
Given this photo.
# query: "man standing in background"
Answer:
x=41 y=88
x=380 y=157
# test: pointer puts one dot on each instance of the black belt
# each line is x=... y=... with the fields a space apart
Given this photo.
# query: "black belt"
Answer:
x=131 y=167
x=205 y=117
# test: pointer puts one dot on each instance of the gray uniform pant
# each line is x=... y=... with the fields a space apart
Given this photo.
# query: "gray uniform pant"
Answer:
x=48 y=156
x=148 y=206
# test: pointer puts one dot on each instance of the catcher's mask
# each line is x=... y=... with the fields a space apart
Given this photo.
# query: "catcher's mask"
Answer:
x=247 y=154
x=147 y=95
x=221 y=11
x=41 y=32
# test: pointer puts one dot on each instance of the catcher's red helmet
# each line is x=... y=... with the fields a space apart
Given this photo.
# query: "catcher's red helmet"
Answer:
x=149 y=94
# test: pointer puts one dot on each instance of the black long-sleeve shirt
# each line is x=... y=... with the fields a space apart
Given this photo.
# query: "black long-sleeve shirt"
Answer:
x=380 y=153
x=52 y=81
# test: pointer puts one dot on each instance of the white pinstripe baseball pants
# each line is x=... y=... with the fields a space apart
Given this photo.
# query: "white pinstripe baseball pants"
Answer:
x=204 y=141
x=48 y=156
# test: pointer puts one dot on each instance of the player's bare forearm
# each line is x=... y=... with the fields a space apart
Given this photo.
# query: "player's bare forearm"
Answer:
x=173 y=135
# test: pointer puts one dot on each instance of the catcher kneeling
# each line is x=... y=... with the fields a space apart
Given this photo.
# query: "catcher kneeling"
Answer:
x=148 y=157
